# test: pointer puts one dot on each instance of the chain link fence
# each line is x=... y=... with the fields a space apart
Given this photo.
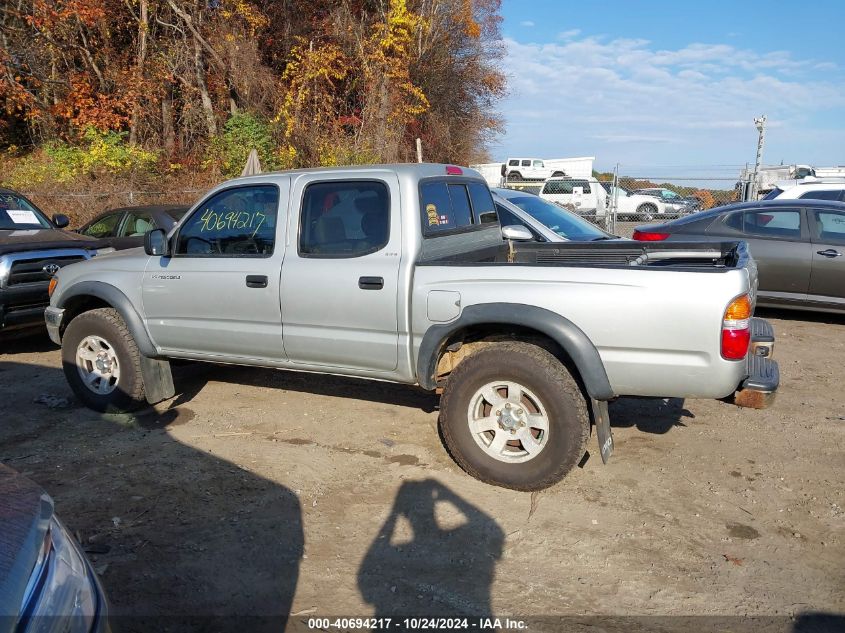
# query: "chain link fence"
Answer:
x=81 y=207
x=619 y=203
x=616 y=202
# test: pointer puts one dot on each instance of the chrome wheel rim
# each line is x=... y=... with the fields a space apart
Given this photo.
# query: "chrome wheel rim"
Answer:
x=508 y=422
x=96 y=361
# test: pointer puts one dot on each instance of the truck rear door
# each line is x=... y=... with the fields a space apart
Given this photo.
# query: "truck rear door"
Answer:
x=341 y=272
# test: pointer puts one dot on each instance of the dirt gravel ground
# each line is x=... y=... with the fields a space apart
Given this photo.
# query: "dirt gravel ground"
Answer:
x=261 y=492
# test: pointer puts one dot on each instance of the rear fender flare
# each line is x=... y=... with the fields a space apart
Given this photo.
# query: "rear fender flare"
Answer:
x=561 y=330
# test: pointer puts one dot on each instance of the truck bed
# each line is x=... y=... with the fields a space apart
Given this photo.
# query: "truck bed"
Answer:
x=702 y=256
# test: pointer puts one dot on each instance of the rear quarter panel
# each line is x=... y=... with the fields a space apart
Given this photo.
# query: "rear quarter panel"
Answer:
x=658 y=332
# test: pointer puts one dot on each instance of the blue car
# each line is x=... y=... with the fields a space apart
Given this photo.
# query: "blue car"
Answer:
x=46 y=583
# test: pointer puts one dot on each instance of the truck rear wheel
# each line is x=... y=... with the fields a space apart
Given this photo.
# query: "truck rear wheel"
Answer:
x=513 y=416
x=102 y=363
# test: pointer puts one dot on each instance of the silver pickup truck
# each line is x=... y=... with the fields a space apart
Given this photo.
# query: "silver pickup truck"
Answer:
x=401 y=273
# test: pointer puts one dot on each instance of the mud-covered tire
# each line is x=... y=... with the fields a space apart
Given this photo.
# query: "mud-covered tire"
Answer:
x=105 y=324
x=547 y=378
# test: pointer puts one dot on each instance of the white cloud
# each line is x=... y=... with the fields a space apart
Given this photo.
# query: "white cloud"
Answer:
x=625 y=99
x=526 y=23
x=568 y=35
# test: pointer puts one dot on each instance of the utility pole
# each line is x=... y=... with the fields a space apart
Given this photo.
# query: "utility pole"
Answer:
x=760 y=123
x=419 y=151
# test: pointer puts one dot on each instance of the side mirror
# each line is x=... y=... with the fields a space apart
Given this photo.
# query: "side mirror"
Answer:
x=516 y=233
x=60 y=221
x=155 y=243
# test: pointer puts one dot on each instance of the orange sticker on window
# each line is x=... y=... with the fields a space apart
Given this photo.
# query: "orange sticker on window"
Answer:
x=431 y=212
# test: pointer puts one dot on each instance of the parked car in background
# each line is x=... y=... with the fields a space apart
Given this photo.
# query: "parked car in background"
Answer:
x=529 y=169
x=799 y=247
x=810 y=189
x=634 y=205
x=547 y=222
x=32 y=250
x=46 y=583
x=674 y=202
x=125 y=227
x=586 y=197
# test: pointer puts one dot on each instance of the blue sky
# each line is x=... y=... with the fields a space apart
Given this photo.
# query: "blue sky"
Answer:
x=658 y=84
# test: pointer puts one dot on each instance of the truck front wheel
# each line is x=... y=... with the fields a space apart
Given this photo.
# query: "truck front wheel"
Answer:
x=102 y=363
x=513 y=416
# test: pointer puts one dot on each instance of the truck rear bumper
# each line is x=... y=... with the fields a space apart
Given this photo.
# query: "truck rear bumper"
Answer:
x=759 y=389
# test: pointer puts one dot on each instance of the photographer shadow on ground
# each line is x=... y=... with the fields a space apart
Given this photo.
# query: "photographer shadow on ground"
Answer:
x=183 y=540
x=435 y=554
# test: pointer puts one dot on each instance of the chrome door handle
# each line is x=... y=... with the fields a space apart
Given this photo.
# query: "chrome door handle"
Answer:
x=830 y=253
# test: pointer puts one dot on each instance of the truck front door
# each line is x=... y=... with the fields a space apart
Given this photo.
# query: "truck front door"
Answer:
x=218 y=294
x=341 y=273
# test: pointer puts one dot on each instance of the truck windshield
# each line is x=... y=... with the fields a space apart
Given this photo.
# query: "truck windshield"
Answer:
x=558 y=220
x=18 y=214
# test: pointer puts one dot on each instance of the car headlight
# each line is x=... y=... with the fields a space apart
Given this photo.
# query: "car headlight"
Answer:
x=61 y=594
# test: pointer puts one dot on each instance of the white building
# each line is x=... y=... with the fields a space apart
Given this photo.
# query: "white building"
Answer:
x=581 y=167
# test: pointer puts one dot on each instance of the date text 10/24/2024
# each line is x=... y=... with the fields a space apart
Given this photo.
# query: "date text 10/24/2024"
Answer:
x=416 y=624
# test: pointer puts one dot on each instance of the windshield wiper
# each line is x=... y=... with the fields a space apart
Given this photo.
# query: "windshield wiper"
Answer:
x=603 y=237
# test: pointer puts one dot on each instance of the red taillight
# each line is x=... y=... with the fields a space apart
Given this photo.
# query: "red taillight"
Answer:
x=648 y=236
x=735 y=344
x=452 y=170
x=736 y=328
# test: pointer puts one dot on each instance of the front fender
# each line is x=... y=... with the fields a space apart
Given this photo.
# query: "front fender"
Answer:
x=117 y=300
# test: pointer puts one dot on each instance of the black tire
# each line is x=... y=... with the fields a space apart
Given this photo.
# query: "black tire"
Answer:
x=558 y=174
x=515 y=175
x=647 y=211
x=105 y=323
x=539 y=371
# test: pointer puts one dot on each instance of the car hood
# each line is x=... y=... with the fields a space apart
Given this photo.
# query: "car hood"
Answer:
x=25 y=513
x=30 y=239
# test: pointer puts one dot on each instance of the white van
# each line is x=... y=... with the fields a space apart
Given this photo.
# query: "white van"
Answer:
x=584 y=196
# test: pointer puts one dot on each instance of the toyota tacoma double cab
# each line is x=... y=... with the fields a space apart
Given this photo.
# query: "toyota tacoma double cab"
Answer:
x=32 y=250
x=401 y=273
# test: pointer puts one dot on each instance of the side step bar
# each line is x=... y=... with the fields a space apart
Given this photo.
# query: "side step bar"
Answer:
x=759 y=389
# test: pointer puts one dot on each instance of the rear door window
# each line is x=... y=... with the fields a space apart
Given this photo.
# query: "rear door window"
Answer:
x=526 y=163
x=783 y=223
x=343 y=219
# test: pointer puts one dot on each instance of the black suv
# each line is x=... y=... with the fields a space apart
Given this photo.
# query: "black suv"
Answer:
x=32 y=250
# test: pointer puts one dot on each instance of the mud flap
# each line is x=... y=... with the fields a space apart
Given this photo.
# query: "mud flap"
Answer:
x=158 y=380
x=601 y=417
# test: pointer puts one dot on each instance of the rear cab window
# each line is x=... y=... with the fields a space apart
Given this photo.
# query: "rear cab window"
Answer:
x=448 y=206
